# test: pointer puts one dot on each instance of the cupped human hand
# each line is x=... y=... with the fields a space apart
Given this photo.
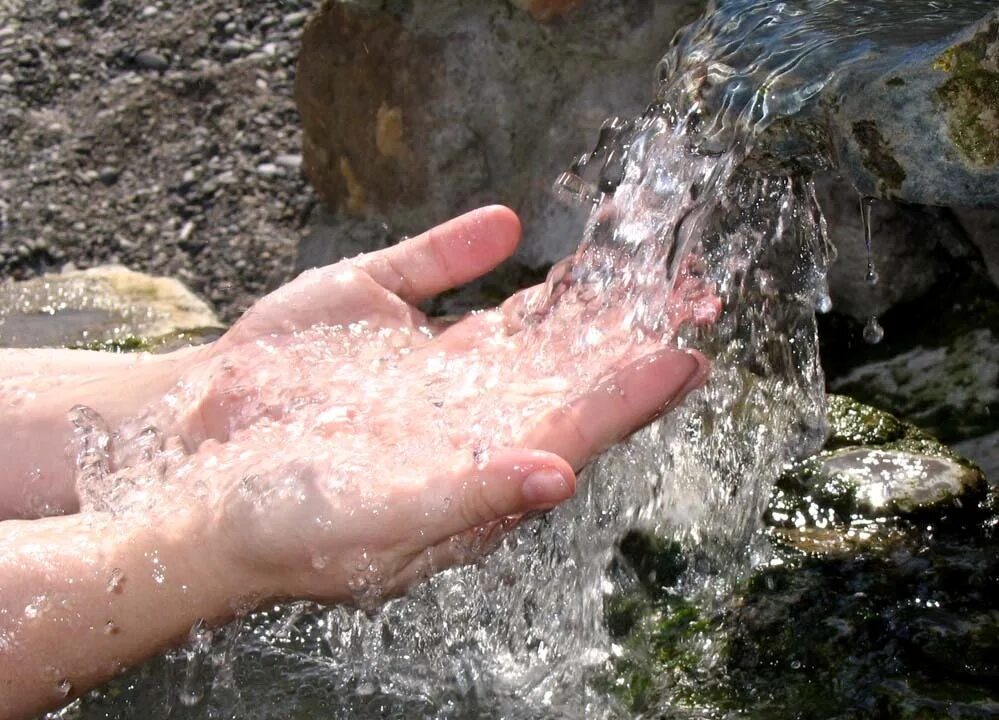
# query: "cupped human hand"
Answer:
x=342 y=446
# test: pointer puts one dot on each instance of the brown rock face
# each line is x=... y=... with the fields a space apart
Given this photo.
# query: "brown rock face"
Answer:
x=361 y=69
x=416 y=111
x=547 y=10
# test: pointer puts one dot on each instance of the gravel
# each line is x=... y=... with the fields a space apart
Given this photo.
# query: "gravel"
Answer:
x=159 y=135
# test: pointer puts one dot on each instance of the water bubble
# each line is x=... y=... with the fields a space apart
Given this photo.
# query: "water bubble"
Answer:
x=873 y=332
x=193 y=687
x=110 y=628
x=116 y=581
x=64 y=687
x=481 y=455
x=320 y=561
x=824 y=303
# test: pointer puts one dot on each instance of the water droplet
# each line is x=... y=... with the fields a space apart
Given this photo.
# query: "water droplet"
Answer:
x=64 y=688
x=481 y=455
x=110 y=628
x=873 y=332
x=116 y=581
x=824 y=303
x=865 y=215
x=320 y=561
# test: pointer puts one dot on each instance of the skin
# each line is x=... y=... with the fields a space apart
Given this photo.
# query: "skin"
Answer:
x=335 y=444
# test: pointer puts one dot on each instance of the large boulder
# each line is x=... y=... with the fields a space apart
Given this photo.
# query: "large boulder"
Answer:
x=415 y=111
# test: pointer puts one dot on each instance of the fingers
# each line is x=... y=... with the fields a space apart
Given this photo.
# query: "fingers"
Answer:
x=446 y=256
x=631 y=398
x=509 y=483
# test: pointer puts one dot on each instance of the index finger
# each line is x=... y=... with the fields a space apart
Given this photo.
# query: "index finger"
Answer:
x=445 y=256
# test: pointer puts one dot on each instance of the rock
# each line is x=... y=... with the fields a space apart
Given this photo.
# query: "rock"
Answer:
x=982 y=227
x=109 y=307
x=872 y=466
x=951 y=390
x=984 y=452
x=927 y=131
x=894 y=481
x=399 y=126
x=915 y=121
x=268 y=169
x=108 y=175
x=292 y=162
x=151 y=60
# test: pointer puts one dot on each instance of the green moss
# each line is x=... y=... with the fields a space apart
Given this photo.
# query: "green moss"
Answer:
x=127 y=344
x=853 y=423
x=877 y=156
x=970 y=96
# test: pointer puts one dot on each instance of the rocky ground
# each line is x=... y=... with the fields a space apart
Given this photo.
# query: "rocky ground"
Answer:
x=160 y=135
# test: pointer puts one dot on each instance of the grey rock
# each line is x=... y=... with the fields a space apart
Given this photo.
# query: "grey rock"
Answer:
x=233 y=48
x=293 y=162
x=108 y=175
x=295 y=19
x=894 y=481
x=984 y=452
x=952 y=391
x=982 y=227
x=151 y=60
x=268 y=169
x=915 y=121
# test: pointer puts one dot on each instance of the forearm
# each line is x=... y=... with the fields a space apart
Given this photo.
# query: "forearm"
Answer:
x=86 y=596
x=37 y=390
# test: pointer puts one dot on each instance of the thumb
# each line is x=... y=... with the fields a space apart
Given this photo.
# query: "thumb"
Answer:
x=510 y=482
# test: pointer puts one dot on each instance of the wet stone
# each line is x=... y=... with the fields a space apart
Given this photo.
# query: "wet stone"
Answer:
x=106 y=308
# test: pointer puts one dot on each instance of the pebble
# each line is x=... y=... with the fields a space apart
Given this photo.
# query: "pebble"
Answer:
x=63 y=44
x=295 y=19
x=151 y=60
x=108 y=175
x=149 y=10
x=232 y=49
x=293 y=162
x=268 y=169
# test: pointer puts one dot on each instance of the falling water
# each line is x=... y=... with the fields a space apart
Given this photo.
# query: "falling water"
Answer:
x=678 y=198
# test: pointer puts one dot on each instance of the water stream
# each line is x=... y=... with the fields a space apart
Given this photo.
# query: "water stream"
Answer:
x=523 y=634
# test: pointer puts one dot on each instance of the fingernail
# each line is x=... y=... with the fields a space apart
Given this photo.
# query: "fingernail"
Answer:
x=695 y=372
x=545 y=487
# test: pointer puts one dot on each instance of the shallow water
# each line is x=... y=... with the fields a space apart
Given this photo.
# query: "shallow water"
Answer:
x=524 y=634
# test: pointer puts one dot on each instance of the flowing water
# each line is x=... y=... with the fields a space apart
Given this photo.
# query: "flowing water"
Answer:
x=675 y=200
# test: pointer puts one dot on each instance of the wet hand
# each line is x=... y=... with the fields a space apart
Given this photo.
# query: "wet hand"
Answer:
x=342 y=446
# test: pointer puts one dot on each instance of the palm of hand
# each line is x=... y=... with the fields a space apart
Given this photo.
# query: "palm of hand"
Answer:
x=348 y=446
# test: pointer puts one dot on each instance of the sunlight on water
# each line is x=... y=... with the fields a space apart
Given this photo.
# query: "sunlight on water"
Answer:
x=676 y=212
